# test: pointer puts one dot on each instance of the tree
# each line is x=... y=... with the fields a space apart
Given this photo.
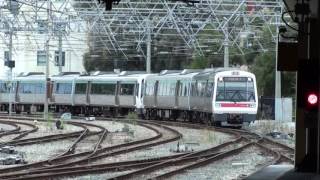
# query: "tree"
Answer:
x=264 y=69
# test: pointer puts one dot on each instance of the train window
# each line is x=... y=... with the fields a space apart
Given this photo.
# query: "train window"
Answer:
x=160 y=88
x=193 y=89
x=150 y=88
x=201 y=89
x=180 y=88
x=142 y=88
x=4 y=87
x=127 y=89
x=186 y=89
x=106 y=89
x=136 y=89
x=235 y=90
x=31 y=88
x=172 y=89
x=81 y=88
x=209 y=89
x=63 y=88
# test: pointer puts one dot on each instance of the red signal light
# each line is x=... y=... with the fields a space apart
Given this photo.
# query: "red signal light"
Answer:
x=312 y=99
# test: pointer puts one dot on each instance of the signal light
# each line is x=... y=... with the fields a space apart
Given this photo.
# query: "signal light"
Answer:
x=312 y=99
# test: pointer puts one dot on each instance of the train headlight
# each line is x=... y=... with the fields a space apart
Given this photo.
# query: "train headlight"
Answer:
x=218 y=105
x=252 y=105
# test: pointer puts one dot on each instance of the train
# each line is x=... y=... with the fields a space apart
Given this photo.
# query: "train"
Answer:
x=214 y=96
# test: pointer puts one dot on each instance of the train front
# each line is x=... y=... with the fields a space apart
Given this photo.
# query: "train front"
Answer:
x=235 y=99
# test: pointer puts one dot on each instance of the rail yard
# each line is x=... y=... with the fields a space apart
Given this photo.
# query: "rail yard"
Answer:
x=123 y=148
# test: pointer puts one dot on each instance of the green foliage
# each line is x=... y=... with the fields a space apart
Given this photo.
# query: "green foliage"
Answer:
x=49 y=121
x=288 y=84
x=132 y=115
x=264 y=69
x=199 y=62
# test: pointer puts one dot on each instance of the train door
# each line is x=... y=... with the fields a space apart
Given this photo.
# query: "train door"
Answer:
x=17 y=97
x=177 y=94
x=50 y=91
x=88 y=92
x=156 y=85
x=117 y=91
x=135 y=92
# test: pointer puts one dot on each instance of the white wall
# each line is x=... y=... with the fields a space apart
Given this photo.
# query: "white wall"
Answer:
x=25 y=55
x=26 y=45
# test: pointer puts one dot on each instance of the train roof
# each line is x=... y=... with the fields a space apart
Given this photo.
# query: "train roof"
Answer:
x=211 y=73
x=123 y=76
x=176 y=74
x=30 y=76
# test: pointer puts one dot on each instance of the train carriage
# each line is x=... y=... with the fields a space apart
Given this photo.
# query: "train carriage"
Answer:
x=110 y=92
x=223 y=96
x=62 y=91
x=235 y=98
x=29 y=94
x=4 y=94
x=168 y=93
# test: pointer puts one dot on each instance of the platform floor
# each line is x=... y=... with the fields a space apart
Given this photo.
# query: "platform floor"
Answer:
x=282 y=172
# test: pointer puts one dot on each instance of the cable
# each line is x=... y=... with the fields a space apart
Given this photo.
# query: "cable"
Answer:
x=287 y=37
x=286 y=23
x=291 y=27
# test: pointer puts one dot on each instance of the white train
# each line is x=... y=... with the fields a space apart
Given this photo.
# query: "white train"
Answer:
x=214 y=96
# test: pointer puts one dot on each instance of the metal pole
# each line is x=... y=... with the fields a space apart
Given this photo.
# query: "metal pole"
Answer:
x=278 y=110
x=60 y=52
x=226 y=47
x=46 y=102
x=148 y=48
x=10 y=73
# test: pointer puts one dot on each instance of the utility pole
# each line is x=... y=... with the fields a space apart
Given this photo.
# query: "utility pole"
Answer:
x=10 y=71
x=46 y=101
x=226 y=47
x=277 y=106
x=14 y=9
x=148 y=64
x=60 y=51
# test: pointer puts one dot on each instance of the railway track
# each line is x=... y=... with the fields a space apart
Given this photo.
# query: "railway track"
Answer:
x=18 y=141
x=15 y=129
x=250 y=139
x=20 y=133
x=85 y=157
x=62 y=166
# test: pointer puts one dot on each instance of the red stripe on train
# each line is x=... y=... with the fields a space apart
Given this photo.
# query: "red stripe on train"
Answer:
x=234 y=105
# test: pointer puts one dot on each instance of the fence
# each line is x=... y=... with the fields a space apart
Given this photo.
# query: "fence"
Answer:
x=280 y=109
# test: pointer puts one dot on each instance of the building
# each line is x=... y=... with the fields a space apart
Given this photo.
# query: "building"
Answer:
x=31 y=29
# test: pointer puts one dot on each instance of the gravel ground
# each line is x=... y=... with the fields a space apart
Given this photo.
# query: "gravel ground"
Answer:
x=45 y=129
x=193 y=139
x=6 y=127
x=97 y=176
x=22 y=128
x=8 y=138
x=245 y=163
x=87 y=144
x=34 y=153
x=199 y=139
x=49 y=128
x=264 y=127
x=123 y=132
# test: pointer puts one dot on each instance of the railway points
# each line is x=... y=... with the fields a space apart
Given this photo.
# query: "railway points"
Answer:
x=101 y=159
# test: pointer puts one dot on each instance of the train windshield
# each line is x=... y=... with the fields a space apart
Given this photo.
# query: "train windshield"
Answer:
x=235 y=89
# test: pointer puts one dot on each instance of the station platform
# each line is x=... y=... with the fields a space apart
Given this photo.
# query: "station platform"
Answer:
x=282 y=172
